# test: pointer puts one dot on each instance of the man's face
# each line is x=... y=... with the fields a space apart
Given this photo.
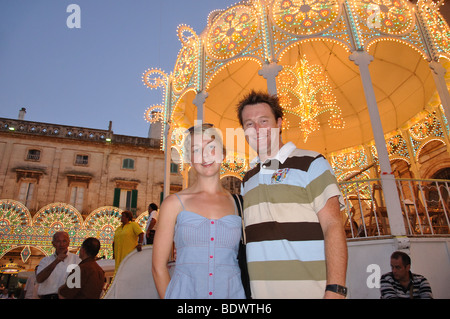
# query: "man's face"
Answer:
x=262 y=130
x=399 y=271
x=61 y=243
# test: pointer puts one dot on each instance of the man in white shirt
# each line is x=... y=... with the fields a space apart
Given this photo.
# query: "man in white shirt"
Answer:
x=53 y=270
x=151 y=222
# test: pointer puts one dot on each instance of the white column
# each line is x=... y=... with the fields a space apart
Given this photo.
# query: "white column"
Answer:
x=199 y=102
x=362 y=59
x=438 y=72
x=167 y=160
x=415 y=166
x=270 y=71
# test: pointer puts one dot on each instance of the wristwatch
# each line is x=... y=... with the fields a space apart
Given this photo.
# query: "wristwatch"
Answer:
x=337 y=289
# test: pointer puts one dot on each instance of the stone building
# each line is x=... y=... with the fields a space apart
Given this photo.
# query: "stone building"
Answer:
x=42 y=163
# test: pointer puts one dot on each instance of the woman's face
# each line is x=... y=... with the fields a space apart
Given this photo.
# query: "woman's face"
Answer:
x=206 y=154
x=124 y=219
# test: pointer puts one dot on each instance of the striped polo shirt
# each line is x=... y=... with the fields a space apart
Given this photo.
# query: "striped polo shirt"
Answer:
x=418 y=288
x=285 y=243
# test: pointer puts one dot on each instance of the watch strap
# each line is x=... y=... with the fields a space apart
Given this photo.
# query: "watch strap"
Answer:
x=337 y=289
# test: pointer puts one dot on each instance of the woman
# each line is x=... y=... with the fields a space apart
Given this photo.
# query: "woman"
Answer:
x=127 y=237
x=203 y=223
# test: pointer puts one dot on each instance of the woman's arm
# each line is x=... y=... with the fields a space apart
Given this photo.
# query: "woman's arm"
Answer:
x=163 y=242
x=140 y=240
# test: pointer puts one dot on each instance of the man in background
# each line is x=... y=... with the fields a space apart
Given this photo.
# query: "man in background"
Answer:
x=151 y=222
x=401 y=283
x=52 y=270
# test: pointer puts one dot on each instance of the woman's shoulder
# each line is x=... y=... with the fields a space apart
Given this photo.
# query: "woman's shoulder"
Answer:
x=179 y=198
x=171 y=203
x=170 y=200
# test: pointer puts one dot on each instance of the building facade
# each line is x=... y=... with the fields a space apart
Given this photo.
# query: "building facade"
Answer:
x=42 y=163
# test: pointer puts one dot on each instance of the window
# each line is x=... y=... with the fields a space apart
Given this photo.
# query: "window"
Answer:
x=173 y=168
x=81 y=159
x=128 y=163
x=125 y=199
x=77 y=197
x=26 y=193
x=34 y=155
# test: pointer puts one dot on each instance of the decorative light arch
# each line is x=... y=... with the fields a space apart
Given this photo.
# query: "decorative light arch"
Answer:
x=264 y=31
x=18 y=229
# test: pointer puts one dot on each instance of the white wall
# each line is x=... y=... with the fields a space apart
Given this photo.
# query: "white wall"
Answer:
x=430 y=257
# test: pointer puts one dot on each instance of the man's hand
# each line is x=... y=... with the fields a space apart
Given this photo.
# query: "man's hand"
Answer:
x=61 y=256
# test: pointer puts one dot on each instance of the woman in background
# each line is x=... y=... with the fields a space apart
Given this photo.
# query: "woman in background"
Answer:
x=127 y=237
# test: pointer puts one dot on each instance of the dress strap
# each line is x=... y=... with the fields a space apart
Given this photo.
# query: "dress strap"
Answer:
x=182 y=206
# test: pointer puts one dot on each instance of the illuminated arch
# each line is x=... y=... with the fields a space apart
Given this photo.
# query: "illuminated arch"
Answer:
x=305 y=17
x=58 y=216
x=14 y=213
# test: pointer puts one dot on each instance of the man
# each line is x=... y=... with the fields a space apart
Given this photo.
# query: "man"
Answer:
x=52 y=270
x=31 y=286
x=401 y=283
x=91 y=279
x=151 y=222
x=296 y=246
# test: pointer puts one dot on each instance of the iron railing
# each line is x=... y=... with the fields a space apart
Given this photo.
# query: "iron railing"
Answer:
x=425 y=207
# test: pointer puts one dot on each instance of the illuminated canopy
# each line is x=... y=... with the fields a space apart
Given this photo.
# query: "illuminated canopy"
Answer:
x=311 y=42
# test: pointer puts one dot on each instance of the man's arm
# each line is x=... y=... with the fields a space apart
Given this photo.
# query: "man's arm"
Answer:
x=47 y=271
x=140 y=240
x=387 y=289
x=425 y=289
x=335 y=244
x=152 y=224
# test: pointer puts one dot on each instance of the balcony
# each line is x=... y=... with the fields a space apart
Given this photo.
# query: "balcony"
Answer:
x=424 y=204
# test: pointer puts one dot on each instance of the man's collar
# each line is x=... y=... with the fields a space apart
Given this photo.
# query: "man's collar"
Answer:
x=285 y=151
x=282 y=154
x=87 y=259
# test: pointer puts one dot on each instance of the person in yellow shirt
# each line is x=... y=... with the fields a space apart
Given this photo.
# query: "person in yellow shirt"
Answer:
x=127 y=237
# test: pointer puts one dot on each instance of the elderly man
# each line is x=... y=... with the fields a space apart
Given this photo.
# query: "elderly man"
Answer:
x=52 y=271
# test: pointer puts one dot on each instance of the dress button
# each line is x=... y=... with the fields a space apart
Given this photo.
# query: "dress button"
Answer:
x=212 y=222
x=211 y=256
x=210 y=293
x=210 y=274
x=212 y=238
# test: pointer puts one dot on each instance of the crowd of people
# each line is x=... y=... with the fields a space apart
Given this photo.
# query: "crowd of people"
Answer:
x=291 y=227
x=65 y=275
